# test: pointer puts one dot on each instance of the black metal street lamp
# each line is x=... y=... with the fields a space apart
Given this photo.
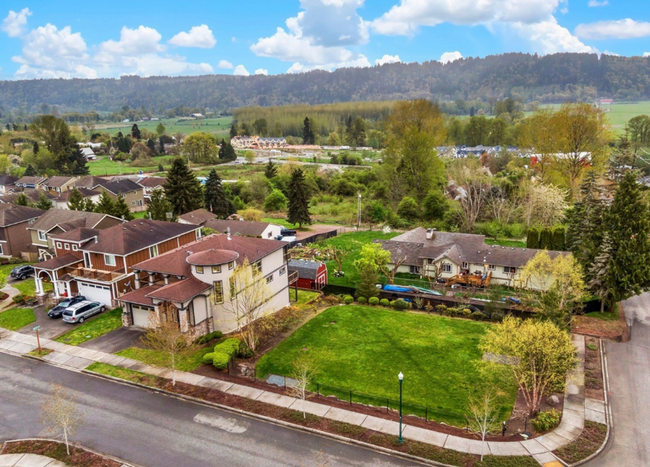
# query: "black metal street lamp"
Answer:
x=401 y=379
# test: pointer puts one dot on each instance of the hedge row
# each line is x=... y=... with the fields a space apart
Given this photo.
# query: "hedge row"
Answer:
x=222 y=354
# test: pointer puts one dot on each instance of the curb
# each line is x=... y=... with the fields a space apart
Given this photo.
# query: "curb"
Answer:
x=76 y=445
x=608 y=409
x=324 y=434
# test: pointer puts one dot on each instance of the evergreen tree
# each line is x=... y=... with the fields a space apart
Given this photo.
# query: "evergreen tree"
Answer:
x=532 y=239
x=35 y=147
x=307 y=132
x=628 y=223
x=182 y=188
x=77 y=164
x=271 y=170
x=159 y=206
x=298 y=212
x=215 y=196
x=226 y=151
x=89 y=206
x=105 y=205
x=151 y=145
x=545 y=239
x=233 y=130
x=599 y=272
x=558 y=239
x=161 y=144
x=30 y=171
x=44 y=202
x=76 y=201
x=22 y=200
x=161 y=168
x=135 y=132
x=121 y=209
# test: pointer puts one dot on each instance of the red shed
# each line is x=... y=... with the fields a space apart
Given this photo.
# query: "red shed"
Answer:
x=311 y=274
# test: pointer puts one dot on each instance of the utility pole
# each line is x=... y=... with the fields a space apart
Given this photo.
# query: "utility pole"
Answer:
x=359 y=212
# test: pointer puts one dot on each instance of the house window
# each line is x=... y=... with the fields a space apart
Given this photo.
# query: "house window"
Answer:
x=257 y=267
x=66 y=246
x=446 y=267
x=414 y=269
x=270 y=235
x=199 y=269
x=465 y=265
x=2 y=249
x=269 y=279
x=430 y=261
x=509 y=270
x=58 y=245
x=139 y=202
x=75 y=248
x=109 y=260
x=231 y=265
x=491 y=267
x=190 y=315
x=42 y=236
x=282 y=271
x=153 y=251
x=132 y=203
x=218 y=292
x=233 y=288
x=216 y=269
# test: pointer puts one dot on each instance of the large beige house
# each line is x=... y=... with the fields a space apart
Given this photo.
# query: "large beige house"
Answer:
x=434 y=254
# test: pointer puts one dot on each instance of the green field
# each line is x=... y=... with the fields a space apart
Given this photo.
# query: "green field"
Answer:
x=619 y=113
x=219 y=127
x=105 y=166
x=363 y=348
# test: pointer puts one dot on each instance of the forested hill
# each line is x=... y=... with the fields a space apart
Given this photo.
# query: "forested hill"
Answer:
x=552 y=78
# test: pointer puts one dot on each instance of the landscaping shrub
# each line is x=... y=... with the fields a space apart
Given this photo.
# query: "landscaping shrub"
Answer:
x=466 y=312
x=384 y=302
x=208 y=357
x=478 y=316
x=19 y=299
x=498 y=316
x=546 y=421
x=362 y=300
x=220 y=360
x=208 y=337
x=401 y=304
x=442 y=309
x=392 y=303
x=373 y=301
x=348 y=299
x=244 y=351
x=223 y=352
x=418 y=303
x=428 y=307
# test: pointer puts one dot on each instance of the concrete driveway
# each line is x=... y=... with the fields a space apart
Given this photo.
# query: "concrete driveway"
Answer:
x=50 y=328
x=117 y=340
x=629 y=380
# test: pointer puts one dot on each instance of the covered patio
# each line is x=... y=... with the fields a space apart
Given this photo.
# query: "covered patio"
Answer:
x=56 y=271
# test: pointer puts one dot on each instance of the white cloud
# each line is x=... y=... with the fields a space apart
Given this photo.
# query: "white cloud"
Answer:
x=611 y=54
x=225 y=65
x=132 y=43
x=360 y=62
x=199 y=36
x=15 y=23
x=549 y=37
x=240 y=70
x=646 y=54
x=261 y=71
x=616 y=29
x=596 y=3
x=387 y=59
x=449 y=57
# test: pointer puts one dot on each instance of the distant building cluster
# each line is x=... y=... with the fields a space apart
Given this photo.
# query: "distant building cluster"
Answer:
x=256 y=142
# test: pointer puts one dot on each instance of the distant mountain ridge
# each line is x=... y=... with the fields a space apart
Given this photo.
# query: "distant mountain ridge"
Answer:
x=551 y=78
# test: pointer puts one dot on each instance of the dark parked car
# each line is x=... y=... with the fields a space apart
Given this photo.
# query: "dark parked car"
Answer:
x=57 y=311
x=81 y=311
x=288 y=233
x=21 y=272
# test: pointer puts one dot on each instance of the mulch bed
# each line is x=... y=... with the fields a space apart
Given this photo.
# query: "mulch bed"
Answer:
x=593 y=370
x=78 y=457
x=592 y=437
x=610 y=330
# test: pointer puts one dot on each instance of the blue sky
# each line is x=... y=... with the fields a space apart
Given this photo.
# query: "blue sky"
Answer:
x=65 y=39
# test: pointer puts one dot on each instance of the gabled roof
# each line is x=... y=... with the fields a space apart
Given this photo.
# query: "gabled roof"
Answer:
x=135 y=235
x=306 y=269
x=198 y=216
x=152 y=182
x=90 y=181
x=180 y=291
x=85 y=192
x=139 y=296
x=11 y=214
x=77 y=235
x=243 y=228
x=58 y=262
x=122 y=186
x=30 y=180
x=175 y=262
x=68 y=220
x=57 y=181
x=7 y=180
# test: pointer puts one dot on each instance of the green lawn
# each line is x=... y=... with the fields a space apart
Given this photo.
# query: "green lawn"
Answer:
x=303 y=296
x=219 y=127
x=105 y=166
x=152 y=357
x=506 y=242
x=15 y=318
x=363 y=348
x=140 y=215
x=26 y=287
x=283 y=223
x=607 y=316
x=353 y=242
x=122 y=373
x=102 y=324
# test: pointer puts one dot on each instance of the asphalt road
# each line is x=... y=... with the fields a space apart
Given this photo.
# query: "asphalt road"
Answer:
x=629 y=380
x=154 y=430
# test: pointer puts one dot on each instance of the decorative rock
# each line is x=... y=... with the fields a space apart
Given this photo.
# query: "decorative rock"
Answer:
x=246 y=370
x=553 y=400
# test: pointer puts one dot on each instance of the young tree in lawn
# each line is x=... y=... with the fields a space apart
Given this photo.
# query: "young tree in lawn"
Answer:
x=372 y=259
x=542 y=354
x=271 y=170
x=121 y=210
x=159 y=207
x=246 y=301
x=298 y=212
x=164 y=336
x=76 y=200
x=61 y=413
x=338 y=255
x=484 y=415
x=303 y=372
x=182 y=188
x=105 y=205
x=215 y=199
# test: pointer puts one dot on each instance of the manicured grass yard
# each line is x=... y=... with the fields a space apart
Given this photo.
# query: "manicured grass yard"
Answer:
x=122 y=373
x=363 y=348
x=303 y=296
x=151 y=357
x=352 y=242
x=26 y=287
x=15 y=318
x=98 y=326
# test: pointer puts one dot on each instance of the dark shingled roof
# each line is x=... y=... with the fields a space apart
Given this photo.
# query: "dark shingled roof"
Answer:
x=7 y=180
x=175 y=262
x=212 y=257
x=29 y=180
x=32 y=194
x=58 y=262
x=122 y=186
x=197 y=217
x=56 y=181
x=180 y=291
x=152 y=182
x=85 y=192
x=11 y=214
x=77 y=235
x=135 y=235
x=67 y=220
x=306 y=269
x=90 y=181
x=243 y=228
x=139 y=296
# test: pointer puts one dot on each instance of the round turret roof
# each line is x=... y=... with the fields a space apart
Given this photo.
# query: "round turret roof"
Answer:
x=212 y=257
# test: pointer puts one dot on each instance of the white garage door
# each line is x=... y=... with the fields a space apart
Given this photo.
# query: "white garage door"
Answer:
x=141 y=315
x=96 y=293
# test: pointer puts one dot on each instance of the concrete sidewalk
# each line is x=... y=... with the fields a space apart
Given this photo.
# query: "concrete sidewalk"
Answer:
x=571 y=426
x=28 y=460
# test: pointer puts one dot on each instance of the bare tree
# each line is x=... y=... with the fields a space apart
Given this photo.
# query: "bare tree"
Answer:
x=545 y=205
x=304 y=371
x=483 y=415
x=390 y=271
x=164 y=335
x=60 y=413
x=475 y=183
x=246 y=302
x=338 y=255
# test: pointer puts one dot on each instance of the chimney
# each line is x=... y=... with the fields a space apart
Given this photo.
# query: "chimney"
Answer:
x=228 y=233
x=429 y=234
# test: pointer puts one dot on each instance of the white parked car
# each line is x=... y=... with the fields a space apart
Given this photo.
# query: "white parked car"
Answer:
x=81 y=311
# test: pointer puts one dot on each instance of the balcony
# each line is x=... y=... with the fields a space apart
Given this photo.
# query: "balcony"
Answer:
x=96 y=274
x=293 y=277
